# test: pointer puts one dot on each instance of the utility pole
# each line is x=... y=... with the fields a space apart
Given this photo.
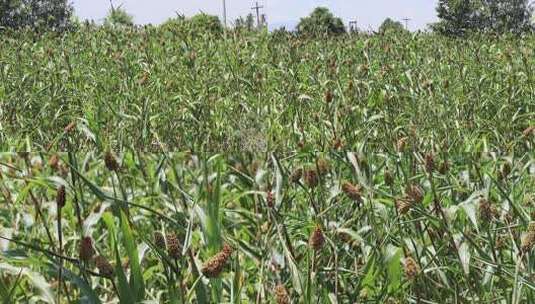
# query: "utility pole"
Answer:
x=406 y=23
x=353 y=25
x=225 y=13
x=257 y=9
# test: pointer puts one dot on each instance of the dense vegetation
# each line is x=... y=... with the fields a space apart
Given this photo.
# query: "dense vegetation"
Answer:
x=313 y=227
x=177 y=88
x=425 y=191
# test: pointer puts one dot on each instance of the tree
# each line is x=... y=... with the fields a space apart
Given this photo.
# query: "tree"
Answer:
x=247 y=23
x=206 y=23
x=458 y=17
x=118 y=17
x=321 y=22
x=36 y=14
x=390 y=25
x=507 y=16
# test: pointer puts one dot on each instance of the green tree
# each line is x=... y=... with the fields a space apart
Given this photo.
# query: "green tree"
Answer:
x=507 y=16
x=118 y=17
x=206 y=23
x=37 y=14
x=321 y=22
x=247 y=23
x=390 y=25
x=459 y=17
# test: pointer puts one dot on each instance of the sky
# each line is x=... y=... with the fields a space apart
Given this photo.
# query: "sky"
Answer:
x=369 y=14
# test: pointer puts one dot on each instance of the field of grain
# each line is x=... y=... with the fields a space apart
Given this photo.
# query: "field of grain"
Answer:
x=164 y=165
x=176 y=89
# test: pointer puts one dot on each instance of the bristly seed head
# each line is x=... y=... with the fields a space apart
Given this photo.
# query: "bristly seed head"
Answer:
x=53 y=162
x=270 y=200
x=86 y=250
x=323 y=166
x=486 y=210
x=403 y=206
x=411 y=268
x=429 y=162
x=104 y=267
x=173 y=246
x=415 y=194
x=311 y=178
x=389 y=178
x=110 y=161
x=60 y=197
x=159 y=240
x=317 y=239
x=296 y=175
x=352 y=191
x=214 y=266
x=328 y=96
x=281 y=295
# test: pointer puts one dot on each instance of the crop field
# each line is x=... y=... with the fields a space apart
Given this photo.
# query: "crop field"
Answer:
x=165 y=165
x=305 y=227
x=176 y=89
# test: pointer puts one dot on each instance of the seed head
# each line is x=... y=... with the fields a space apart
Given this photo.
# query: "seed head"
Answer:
x=415 y=194
x=173 y=246
x=214 y=266
x=311 y=178
x=352 y=191
x=403 y=206
x=159 y=240
x=104 y=267
x=328 y=96
x=323 y=166
x=411 y=268
x=69 y=127
x=337 y=144
x=270 y=200
x=529 y=131
x=110 y=161
x=486 y=210
x=60 y=197
x=400 y=145
x=506 y=169
x=531 y=227
x=296 y=175
x=527 y=241
x=429 y=162
x=444 y=167
x=53 y=162
x=86 y=250
x=281 y=295
x=317 y=239
x=389 y=178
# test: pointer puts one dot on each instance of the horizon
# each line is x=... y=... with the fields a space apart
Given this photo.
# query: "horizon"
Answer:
x=369 y=16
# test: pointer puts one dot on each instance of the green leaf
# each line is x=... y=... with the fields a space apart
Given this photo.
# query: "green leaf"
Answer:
x=88 y=295
x=136 y=277
x=125 y=294
x=394 y=272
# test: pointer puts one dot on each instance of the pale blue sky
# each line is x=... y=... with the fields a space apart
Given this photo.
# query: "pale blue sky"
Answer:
x=368 y=13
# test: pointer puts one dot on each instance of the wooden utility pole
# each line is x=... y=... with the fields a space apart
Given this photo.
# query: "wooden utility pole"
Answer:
x=353 y=25
x=257 y=9
x=406 y=23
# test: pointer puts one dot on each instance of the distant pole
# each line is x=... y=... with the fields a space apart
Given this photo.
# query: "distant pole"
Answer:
x=406 y=23
x=225 y=13
x=257 y=9
x=353 y=25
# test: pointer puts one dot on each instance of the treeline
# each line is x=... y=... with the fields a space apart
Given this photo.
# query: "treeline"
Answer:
x=456 y=18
